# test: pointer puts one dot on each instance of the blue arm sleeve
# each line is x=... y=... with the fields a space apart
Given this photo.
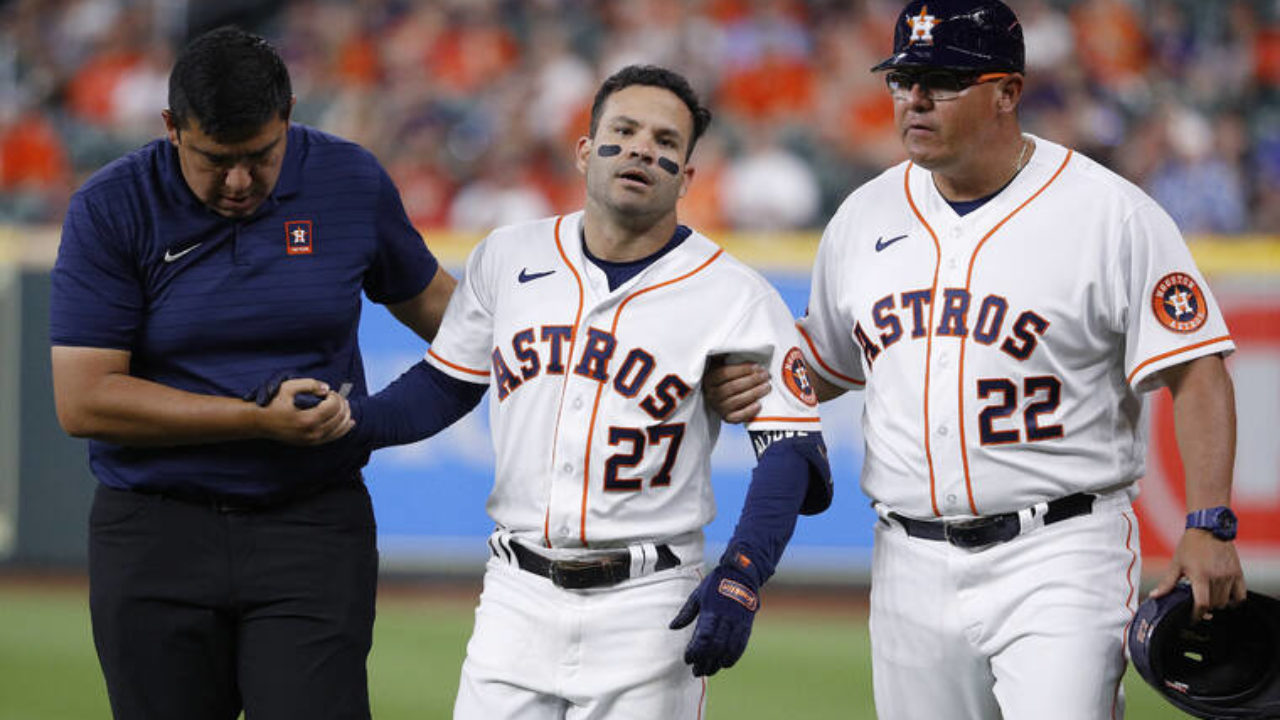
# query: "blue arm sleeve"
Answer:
x=420 y=403
x=791 y=476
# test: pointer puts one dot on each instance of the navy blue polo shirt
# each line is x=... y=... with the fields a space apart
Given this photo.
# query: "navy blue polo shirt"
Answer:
x=216 y=306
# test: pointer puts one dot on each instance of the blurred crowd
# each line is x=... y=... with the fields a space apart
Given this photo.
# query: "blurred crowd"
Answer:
x=474 y=105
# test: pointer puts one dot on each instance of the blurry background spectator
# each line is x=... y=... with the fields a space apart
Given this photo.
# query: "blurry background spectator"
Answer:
x=474 y=105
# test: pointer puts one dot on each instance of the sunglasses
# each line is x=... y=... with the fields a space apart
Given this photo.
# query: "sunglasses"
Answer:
x=936 y=84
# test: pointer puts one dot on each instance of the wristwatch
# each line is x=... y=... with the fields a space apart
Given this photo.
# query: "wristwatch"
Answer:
x=1218 y=520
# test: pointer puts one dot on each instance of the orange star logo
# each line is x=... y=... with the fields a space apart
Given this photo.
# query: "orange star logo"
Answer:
x=922 y=26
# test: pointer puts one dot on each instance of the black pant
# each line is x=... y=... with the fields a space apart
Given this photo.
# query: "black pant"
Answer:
x=199 y=612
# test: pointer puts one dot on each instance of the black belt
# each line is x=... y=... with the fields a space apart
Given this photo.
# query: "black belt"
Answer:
x=599 y=570
x=246 y=503
x=991 y=529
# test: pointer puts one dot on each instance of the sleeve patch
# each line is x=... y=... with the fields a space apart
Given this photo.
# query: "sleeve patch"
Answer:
x=1178 y=303
x=796 y=377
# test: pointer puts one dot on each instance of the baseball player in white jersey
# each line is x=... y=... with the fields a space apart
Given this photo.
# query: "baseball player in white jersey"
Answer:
x=593 y=331
x=1004 y=302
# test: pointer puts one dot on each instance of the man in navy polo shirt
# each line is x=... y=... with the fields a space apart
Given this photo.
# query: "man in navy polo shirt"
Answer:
x=232 y=559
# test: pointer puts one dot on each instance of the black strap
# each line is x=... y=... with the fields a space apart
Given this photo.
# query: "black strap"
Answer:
x=599 y=570
x=249 y=503
x=991 y=529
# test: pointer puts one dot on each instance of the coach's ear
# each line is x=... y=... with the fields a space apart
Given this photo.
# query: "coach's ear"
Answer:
x=170 y=127
x=582 y=153
x=1009 y=93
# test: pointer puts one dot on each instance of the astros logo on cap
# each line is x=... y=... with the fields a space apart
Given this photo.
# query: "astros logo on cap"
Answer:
x=922 y=27
x=1178 y=303
x=796 y=378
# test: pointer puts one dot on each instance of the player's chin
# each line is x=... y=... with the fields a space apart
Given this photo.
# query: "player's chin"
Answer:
x=629 y=202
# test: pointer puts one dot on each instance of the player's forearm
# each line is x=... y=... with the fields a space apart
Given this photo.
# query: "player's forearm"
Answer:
x=420 y=403
x=780 y=484
x=127 y=410
x=1205 y=420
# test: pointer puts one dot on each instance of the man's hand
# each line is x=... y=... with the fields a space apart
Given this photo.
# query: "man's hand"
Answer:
x=1213 y=569
x=734 y=390
x=725 y=603
x=325 y=422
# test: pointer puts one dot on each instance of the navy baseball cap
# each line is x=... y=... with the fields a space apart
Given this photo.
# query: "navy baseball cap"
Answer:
x=967 y=35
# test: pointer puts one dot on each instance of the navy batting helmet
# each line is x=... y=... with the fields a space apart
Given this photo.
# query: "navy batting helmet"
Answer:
x=968 y=35
x=1227 y=667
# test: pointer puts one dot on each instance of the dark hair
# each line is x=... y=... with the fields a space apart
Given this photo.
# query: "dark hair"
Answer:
x=654 y=76
x=230 y=81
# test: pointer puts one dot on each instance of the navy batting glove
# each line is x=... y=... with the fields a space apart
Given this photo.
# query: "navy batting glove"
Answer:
x=725 y=604
x=266 y=392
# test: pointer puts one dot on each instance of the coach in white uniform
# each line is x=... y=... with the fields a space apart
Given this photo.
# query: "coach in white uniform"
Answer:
x=1005 y=302
x=593 y=332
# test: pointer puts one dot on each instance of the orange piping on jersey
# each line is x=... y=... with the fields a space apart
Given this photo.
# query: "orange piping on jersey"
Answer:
x=455 y=366
x=1171 y=353
x=564 y=385
x=1124 y=642
x=595 y=408
x=1133 y=560
x=785 y=419
x=823 y=363
x=968 y=279
x=928 y=346
x=702 y=698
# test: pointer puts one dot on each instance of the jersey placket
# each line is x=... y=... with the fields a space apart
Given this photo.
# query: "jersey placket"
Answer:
x=955 y=247
x=581 y=405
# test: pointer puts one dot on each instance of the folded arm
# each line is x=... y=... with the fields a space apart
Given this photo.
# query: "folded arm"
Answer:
x=97 y=398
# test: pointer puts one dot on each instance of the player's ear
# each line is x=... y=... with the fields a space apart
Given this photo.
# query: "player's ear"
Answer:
x=686 y=179
x=582 y=153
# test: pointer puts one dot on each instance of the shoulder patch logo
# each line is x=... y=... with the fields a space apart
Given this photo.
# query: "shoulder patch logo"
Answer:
x=297 y=237
x=796 y=377
x=1178 y=303
x=922 y=27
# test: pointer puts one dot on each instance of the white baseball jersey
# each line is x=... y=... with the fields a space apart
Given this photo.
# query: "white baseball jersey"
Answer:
x=599 y=425
x=1003 y=352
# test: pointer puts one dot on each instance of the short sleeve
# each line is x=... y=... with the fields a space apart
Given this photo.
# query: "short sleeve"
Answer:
x=463 y=345
x=827 y=328
x=766 y=333
x=402 y=265
x=1168 y=314
x=96 y=297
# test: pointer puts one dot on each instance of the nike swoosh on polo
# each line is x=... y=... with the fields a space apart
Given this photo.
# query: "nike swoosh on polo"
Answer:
x=881 y=243
x=526 y=276
x=170 y=256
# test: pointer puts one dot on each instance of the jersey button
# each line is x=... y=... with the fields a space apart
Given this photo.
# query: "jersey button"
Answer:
x=951 y=499
x=577 y=403
x=567 y=468
x=942 y=430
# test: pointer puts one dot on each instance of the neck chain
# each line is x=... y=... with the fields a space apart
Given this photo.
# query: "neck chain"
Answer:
x=1022 y=154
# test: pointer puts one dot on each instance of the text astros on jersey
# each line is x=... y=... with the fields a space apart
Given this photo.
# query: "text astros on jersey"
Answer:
x=634 y=355
x=995 y=333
